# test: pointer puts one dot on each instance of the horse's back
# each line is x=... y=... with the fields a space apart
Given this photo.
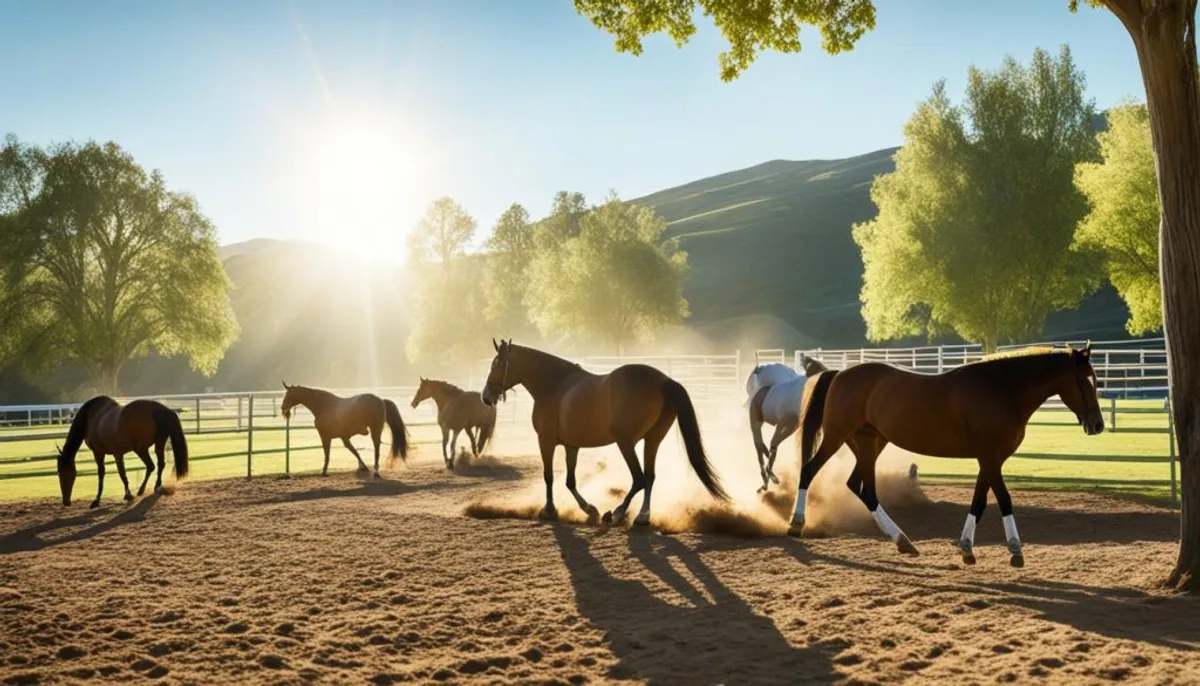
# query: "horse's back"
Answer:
x=783 y=400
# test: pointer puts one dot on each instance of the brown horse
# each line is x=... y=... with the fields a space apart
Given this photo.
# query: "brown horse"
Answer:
x=109 y=428
x=458 y=411
x=345 y=418
x=979 y=410
x=576 y=409
x=775 y=392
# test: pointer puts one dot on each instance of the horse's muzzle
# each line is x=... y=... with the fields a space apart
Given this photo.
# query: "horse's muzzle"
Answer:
x=1094 y=428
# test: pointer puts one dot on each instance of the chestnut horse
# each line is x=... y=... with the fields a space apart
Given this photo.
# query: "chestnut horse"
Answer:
x=109 y=428
x=774 y=393
x=458 y=411
x=345 y=418
x=577 y=409
x=979 y=410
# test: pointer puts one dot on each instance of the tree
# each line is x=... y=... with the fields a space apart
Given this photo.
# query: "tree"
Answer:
x=562 y=223
x=975 y=227
x=1124 y=218
x=103 y=263
x=448 y=294
x=511 y=249
x=617 y=280
x=1164 y=37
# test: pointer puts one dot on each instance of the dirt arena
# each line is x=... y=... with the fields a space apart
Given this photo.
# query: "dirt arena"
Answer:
x=340 y=580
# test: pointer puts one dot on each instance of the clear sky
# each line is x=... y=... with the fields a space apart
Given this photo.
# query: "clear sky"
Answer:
x=344 y=119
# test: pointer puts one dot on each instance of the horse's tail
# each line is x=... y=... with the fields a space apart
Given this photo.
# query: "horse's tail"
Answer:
x=677 y=397
x=488 y=429
x=167 y=425
x=814 y=412
x=391 y=414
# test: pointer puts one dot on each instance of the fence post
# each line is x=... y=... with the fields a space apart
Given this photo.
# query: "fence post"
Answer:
x=197 y=414
x=287 y=445
x=239 y=413
x=941 y=367
x=249 y=434
x=1112 y=413
x=1171 y=438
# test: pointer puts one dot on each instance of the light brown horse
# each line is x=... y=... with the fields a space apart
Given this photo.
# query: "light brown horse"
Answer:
x=345 y=418
x=577 y=409
x=110 y=428
x=458 y=411
x=979 y=410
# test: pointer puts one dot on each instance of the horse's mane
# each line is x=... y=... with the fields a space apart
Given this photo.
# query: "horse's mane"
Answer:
x=444 y=385
x=1024 y=352
x=1011 y=364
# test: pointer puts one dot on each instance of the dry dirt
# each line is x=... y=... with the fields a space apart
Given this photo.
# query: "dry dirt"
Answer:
x=339 y=580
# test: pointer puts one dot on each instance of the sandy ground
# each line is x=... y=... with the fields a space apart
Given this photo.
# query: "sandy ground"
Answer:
x=339 y=580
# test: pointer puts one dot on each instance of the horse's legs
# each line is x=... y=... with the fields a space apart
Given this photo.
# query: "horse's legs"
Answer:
x=149 y=464
x=978 y=502
x=760 y=448
x=549 y=512
x=471 y=435
x=325 y=441
x=996 y=480
x=572 y=459
x=782 y=430
x=649 y=456
x=362 y=466
x=119 y=458
x=376 y=439
x=454 y=447
x=99 y=477
x=867 y=450
x=160 y=451
x=808 y=472
x=445 y=443
x=639 y=482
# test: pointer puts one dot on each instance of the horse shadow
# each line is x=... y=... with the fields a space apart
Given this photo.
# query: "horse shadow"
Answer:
x=362 y=488
x=716 y=637
x=30 y=538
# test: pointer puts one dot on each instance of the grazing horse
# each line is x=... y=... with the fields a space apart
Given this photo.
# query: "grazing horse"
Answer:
x=110 y=428
x=774 y=392
x=458 y=411
x=576 y=409
x=345 y=418
x=979 y=410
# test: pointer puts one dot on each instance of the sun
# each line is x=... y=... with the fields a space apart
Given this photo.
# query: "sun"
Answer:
x=363 y=183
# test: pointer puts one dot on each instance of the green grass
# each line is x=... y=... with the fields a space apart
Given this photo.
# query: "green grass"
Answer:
x=1056 y=455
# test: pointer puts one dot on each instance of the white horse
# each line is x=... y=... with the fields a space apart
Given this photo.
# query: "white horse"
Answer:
x=774 y=393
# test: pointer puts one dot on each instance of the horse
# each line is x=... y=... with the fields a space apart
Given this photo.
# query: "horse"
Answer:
x=577 y=409
x=773 y=393
x=109 y=428
x=458 y=411
x=345 y=418
x=979 y=410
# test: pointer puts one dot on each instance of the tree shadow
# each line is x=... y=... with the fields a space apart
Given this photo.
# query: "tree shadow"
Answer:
x=30 y=538
x=716 y=637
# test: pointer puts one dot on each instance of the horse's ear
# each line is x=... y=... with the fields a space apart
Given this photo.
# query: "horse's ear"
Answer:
x=1087 y=350
x=58 y=450
x=495 y=345
x=284 y=383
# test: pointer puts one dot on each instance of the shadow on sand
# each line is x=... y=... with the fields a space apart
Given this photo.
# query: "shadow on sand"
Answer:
x=714 y=638
x=92 y=522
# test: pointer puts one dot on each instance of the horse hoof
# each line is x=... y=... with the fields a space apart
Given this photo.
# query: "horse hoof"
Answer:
x=796 y=530
x=548 y=514
x=593 y=514
x=1018 y=560
x=94 y=505
x=968 y=557
x=128 y=497
x=905 y=546
x=762 y=489
x=773 y=477
x=642 y=520
x=378 y=477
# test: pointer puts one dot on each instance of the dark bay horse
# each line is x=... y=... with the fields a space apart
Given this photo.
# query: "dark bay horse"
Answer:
x=458 y=411
x=576 y=409
x=979 y=410
x=345 y=418
x=110 y=428
x=775 y=393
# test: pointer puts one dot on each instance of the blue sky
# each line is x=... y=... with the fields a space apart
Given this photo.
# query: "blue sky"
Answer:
x=489 y=101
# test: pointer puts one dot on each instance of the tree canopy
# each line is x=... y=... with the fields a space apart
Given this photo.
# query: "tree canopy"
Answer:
x=618 y=280
x=510 y=252
x=443 y=233
x=1124 y=219
x=975 y=227
x=102 y=263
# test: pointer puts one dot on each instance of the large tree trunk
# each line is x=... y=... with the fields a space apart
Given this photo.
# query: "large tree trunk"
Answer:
x=1164 y=35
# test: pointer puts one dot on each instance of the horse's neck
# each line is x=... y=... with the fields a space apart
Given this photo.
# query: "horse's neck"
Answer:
x=443 y=394
x=1038 y=390
x=316 y=400
x=542 y=373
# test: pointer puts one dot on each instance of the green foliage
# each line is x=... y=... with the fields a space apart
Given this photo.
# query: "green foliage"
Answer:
x=102 y=263
x=449 y=302
x=617 y=279
x=562 y=223
x=976 y=225
x=1124 y=219
x=511 y=249
x=749 y=26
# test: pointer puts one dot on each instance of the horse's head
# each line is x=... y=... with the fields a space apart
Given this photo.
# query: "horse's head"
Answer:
x=424 y=392
x=813 y=367
x=291 y=398
x=1078 y=387
x=501 y=376
x=66 y=473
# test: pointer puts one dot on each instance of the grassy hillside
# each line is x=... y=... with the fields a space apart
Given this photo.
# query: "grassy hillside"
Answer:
x=772 y=243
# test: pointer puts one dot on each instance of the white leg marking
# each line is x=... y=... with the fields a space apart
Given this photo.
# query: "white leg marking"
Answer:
x=801 y=497
x=968 y=534
x=644 y=514
x=1010 y=530
x=886 y=525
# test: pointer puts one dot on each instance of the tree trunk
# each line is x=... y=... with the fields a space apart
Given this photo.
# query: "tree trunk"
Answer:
x=1164 y=36
x=106 y=377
